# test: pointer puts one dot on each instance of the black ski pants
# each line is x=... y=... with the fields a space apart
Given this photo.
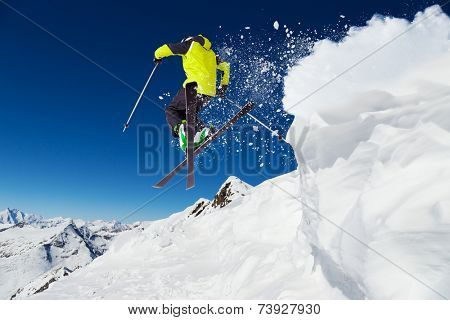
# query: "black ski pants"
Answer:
x=176 y=111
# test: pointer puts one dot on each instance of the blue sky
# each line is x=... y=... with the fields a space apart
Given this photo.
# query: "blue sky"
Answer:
x=62 y=150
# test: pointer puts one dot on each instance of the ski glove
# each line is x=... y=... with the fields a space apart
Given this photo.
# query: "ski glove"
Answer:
x=221 y=91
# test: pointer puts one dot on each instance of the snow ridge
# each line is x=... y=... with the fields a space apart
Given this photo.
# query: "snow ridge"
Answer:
x=376 y=144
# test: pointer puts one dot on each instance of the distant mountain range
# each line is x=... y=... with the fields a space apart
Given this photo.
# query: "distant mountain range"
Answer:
x=35 y=252
x=14 y=216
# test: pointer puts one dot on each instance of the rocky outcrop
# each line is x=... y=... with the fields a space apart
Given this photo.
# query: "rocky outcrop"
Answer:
x=232 y=189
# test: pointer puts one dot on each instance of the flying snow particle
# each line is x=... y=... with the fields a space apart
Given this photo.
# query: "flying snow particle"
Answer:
x=161 y=97
x=247 y=28
x=261 y=165
x=342 y=16
x=255 y=128
x=276 y=25
x=242 y=37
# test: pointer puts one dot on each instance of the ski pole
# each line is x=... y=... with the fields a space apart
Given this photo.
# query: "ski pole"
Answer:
x=125 y=127
x=280 y=137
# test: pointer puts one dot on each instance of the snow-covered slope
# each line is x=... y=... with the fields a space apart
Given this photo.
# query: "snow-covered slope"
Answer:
x=248 y=248
x=35 y=252
x=366 y=215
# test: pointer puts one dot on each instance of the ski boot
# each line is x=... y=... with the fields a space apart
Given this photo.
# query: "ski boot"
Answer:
x=202 y=135
x=181 y=131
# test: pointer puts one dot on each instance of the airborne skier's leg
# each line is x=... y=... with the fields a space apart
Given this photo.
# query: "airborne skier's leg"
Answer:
x=176 y=118
x=176 y=111
x=202 y=131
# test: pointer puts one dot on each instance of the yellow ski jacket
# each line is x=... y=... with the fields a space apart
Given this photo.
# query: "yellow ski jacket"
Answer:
x=200 y=63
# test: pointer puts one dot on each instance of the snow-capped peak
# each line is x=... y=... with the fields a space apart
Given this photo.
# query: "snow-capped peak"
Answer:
x=231 y=189
x=237 y=184
x=15 y=216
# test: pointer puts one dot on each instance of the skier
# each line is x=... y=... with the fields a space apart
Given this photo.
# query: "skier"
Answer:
x=200 y=64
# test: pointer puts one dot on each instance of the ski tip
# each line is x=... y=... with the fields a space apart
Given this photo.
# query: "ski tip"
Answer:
x=160 y=184
x=190 y=182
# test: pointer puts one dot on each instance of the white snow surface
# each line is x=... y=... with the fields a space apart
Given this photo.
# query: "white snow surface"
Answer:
x=376 y=142
x=365 y=216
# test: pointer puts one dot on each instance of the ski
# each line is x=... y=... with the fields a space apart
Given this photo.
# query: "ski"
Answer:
x=191 y=97
x=246 y=109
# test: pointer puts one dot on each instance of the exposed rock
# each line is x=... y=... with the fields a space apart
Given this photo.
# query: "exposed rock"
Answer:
x=232 y=189
x=199 y=207
x=42 y=283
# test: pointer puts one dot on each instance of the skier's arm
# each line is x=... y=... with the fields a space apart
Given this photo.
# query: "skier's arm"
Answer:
x=178 y=49
x=171 y=49
x=224 y=68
